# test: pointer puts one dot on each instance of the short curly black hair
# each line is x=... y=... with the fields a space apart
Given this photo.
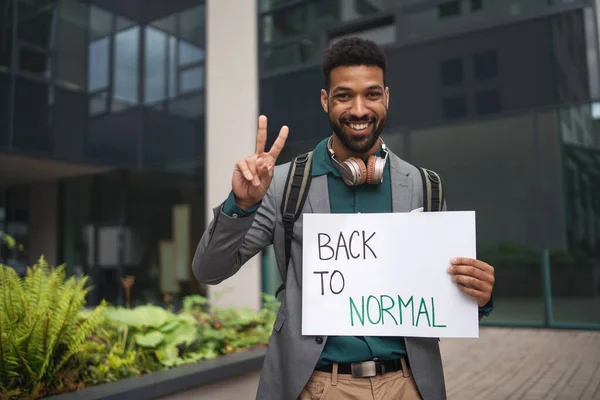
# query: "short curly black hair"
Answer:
x=353 y=51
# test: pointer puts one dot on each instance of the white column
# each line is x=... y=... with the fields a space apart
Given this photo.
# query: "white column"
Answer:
x=231 y=122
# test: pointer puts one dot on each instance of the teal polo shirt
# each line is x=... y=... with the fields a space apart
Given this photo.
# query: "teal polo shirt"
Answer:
x=349 y=199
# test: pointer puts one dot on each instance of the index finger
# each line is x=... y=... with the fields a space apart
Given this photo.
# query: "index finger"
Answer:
x=472 y=262
x=261 y=136
x=279 y=142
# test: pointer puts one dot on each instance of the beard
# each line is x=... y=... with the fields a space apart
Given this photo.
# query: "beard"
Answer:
x=358 y=143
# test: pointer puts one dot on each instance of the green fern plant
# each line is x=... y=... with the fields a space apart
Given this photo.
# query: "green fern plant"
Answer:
x=41 y=327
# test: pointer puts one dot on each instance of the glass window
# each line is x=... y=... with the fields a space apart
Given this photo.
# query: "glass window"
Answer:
x=166 y=24
x=124 y=23
x=98 y=64
x=98 y=103
x=73 y=47
x=37 y=22
x=191 y=25
x=451 y=72
x=382 y=35
x=100 y=22
x=485 y=64
x=283 y=24
x=155 y=85
x=323 y=14
x=291 y=54
x=6 y=41
x=189 y=54
x=192 y=79
x=449 y=9
x=173 y=67
x=126 y=68
x=266 y=5
x=34 y=60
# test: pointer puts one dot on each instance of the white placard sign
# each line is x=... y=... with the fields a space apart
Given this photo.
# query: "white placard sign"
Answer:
x=386 y=274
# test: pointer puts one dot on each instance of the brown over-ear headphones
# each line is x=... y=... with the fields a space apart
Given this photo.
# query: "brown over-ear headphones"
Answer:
x=354 y=170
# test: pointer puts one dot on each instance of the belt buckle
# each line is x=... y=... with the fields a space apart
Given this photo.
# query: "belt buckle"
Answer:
x=365 y=369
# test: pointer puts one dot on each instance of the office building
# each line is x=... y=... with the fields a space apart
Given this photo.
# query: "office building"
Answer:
x=107 y=141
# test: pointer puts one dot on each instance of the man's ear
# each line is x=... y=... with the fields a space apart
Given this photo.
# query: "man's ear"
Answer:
x=324 y=102
x=387 y=97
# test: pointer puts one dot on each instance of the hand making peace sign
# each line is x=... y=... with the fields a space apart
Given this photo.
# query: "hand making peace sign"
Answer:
x=252 y=175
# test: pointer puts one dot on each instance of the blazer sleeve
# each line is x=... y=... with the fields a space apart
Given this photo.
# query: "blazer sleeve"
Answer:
x=231 y=240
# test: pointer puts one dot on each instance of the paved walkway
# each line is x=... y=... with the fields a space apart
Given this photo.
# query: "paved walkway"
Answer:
x=528 y=364
x=502 y=364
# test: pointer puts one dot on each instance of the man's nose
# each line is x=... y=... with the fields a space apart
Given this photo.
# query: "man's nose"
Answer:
x=359 y=108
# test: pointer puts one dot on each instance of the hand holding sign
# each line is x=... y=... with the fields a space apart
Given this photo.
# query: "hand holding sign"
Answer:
x=252 y=175
x=474 y=277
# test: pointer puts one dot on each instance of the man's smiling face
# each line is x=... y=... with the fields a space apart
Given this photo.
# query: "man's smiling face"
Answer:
x=356 y=103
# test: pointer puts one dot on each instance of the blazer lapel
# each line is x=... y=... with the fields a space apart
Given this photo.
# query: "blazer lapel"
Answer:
x=318 y=197
x=401 y=185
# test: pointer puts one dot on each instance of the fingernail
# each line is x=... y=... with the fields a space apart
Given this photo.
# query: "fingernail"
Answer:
x=449 y=269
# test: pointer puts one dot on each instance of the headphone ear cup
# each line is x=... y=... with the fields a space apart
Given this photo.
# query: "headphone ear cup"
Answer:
x=358 y=168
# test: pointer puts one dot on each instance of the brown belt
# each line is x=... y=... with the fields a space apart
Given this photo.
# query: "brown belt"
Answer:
x=366 y=369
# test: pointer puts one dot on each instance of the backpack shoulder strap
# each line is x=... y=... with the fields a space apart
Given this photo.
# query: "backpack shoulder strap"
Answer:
x=433 y=191
x=294 y=196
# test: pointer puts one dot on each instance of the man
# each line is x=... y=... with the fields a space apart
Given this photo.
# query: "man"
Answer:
x=356 y=99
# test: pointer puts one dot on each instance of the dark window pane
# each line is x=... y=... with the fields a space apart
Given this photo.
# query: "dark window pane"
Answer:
x=191 y=25
x=322 y=14
x=266 y=5
x=476 y=5
x=123 y=23
x=100 y=22
x=283 y=24
x=4 y=108
x=34 y=61
x=449 y=9
x=6 y=12
x=290 y=54
x=454 y=107
x=73 y=46
x=485 y=65
x=488 y=102
x=36 y=22
x=451 y=71
x=33 y=112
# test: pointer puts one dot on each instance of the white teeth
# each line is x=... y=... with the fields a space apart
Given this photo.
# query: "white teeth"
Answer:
x=359 y=127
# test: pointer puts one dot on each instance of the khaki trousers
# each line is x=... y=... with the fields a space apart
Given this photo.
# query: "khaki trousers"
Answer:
x=398 y=385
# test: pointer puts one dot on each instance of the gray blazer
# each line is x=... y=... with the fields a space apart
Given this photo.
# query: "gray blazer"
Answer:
x=291 y=357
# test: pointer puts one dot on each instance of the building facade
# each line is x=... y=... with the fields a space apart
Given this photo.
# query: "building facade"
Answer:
x=105 y=145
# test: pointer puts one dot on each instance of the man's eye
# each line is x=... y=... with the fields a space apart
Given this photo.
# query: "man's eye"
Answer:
x=374 y=94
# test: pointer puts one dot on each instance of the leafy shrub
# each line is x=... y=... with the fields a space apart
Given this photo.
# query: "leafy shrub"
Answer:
x=41 y=328
x=50 y=344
